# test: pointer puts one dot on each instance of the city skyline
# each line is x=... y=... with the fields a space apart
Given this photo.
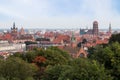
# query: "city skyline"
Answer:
x=59 y=13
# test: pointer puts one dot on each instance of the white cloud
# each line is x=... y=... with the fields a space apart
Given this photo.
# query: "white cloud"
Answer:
x=37 y=13
x=10 y=13
x=101 y=10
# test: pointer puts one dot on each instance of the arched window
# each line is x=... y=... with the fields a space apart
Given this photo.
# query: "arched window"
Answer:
x=81 y=55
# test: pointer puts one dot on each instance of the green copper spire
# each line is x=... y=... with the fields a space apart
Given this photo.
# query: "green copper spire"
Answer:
x=73 y=37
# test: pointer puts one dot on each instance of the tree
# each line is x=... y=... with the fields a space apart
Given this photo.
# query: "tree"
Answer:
x=79 y=44
x=30 y=56
x=16 y=69
x=30 y=42
x=109 y=56
x=115 y=38
x=84 y=41
x=43 y=58
x=1 y=57
x=77 y=69
x=56 y=56
x=42 y=39
x=53 y=55
x=55 y=72
x=40 y=61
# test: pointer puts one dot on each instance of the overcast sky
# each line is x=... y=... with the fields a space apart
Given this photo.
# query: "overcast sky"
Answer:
x=59 y=13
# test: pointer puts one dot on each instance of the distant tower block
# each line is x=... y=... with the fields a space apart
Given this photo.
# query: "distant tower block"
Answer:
x=95 y=28
x=110 y=30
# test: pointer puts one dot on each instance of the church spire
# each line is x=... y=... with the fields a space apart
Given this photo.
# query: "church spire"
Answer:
x=72 y=37
x=14 y=30
x=110 y=28
x=73 y=41
x=13 y=25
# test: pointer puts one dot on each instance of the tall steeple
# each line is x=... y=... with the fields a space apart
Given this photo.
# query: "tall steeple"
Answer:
x=110 y=30
x=14 y=30
x=73 y=41
x=72 y=37
x=13 y=25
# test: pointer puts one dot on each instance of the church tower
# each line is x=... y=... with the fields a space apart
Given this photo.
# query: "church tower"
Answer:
x=95 y=28
x=14 y=30
x=73 y=40
x=110 y=30
x=72 y=37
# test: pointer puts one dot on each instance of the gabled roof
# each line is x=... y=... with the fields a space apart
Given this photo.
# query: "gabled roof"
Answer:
x=71 y=50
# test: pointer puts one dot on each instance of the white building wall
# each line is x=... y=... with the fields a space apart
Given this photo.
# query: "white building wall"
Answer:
x=12 y=47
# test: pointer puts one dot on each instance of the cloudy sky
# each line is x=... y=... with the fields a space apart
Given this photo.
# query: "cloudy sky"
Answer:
x=59 y=13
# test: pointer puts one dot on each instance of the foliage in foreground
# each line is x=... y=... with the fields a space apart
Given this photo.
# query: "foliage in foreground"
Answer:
x=16 y=69
x=77 y=69
x=103 y=63
x=109 y=56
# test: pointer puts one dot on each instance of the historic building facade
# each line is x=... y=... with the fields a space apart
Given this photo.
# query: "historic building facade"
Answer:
x=94 y=31
x=95 y=28
x=14 y=30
